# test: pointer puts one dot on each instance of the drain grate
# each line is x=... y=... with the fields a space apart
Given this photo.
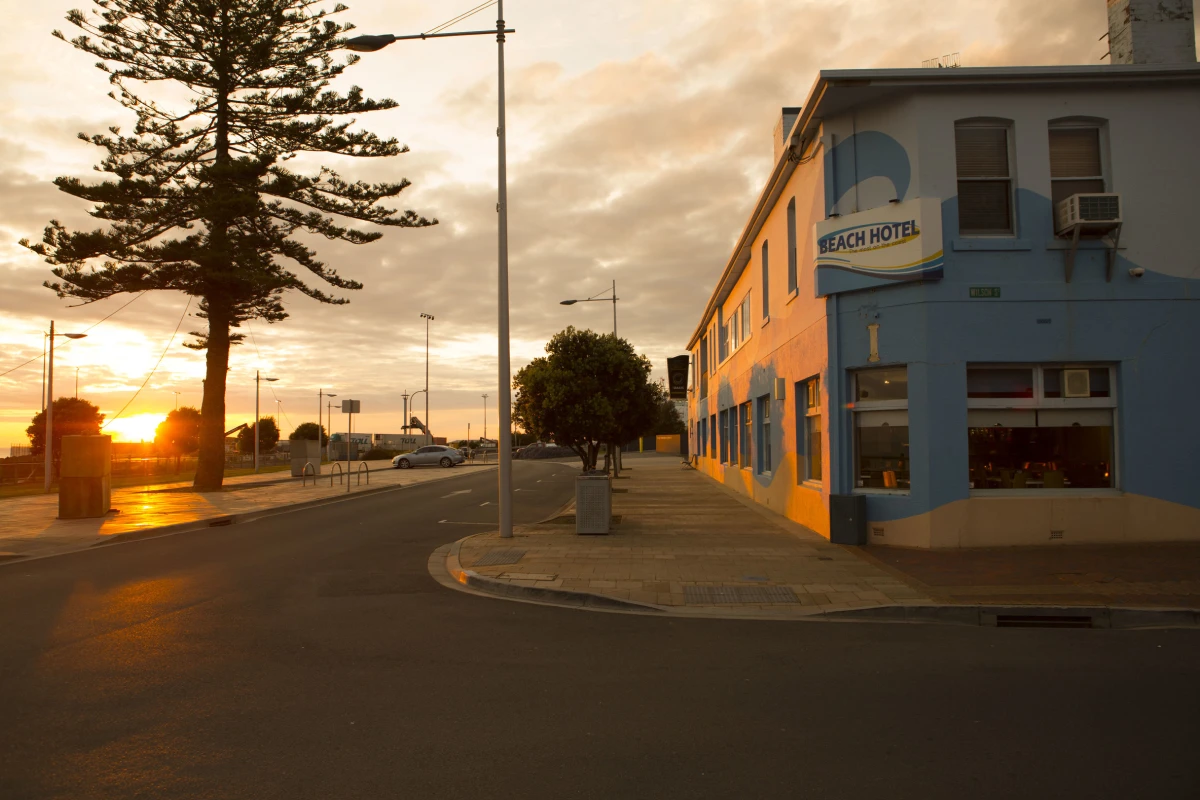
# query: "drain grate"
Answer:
x=730 y=595
x=505 y=555
x=1042 y=621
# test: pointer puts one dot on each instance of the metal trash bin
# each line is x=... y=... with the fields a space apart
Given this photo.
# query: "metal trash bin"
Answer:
x=305 y=451
x=848 y=519
x=593 y=502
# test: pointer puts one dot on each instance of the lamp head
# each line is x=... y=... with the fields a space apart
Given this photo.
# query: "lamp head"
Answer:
x=327 y=394
x=369 y=44
x=272 y=380
x=567 y=302
x=75 y=335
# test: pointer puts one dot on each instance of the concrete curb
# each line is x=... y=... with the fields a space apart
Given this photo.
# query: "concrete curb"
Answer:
x=988 y=616
x=558 y=597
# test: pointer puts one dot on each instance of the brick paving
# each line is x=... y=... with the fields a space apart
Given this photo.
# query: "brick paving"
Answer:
x=29 y=526
x=679 y=529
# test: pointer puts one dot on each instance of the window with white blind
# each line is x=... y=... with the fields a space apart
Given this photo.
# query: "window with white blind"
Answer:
x=1076 y=166
x=985 y=186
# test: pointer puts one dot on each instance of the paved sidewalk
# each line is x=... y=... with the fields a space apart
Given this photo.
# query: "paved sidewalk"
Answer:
x=29 y=526
x=686 y=545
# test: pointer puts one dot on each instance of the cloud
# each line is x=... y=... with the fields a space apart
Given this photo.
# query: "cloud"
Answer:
x=635 y=156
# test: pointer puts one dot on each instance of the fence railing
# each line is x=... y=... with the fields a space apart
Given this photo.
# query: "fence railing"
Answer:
x=16 y=473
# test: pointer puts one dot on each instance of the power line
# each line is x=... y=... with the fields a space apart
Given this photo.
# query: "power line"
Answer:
x=68 y=341
x=156 y=365
x=462 y=16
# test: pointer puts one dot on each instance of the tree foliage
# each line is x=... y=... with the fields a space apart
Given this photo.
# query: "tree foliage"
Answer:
x=590 y=389
x=268 y=436
x=179 y=433
x=310 y=430
x=198 y=198
x=72 y=417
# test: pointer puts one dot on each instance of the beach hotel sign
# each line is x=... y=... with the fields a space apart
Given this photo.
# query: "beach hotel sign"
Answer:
x=896 y=242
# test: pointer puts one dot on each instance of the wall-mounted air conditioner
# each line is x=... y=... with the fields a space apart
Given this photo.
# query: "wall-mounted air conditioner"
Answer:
x=1093 y=213
x=1077 y=382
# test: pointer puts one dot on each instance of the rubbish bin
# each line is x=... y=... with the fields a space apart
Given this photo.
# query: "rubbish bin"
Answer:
x=848 y=519
x=593 y=502
x=85 y=477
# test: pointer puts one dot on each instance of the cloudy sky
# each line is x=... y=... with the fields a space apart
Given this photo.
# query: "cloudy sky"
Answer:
x=639 y=137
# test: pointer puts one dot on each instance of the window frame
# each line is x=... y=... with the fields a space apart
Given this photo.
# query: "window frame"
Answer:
x=1040 y=402
x=1100 y=126
x=712 y=442
x=804 y=412
x=1010 y=150
x=868 y=407
x=723 y=416
x=766 y=285
x=745 y=417
x=763 y=459
x=793 y=261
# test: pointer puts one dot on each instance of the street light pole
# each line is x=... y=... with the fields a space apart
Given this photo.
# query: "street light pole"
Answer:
x=329 y=427
x=257 y=379
x=176 y=400
x=48 y=442
x=428 y=319
x=365 y=44
x=596 y=298
x=485 y=397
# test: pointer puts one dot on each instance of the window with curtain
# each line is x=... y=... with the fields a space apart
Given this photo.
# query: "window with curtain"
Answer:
x=764 y=434
x=744 y=452
x=881 y=447
x=1076 y=166
x=1041 y=426
x=712 y=433
x=724 y=416
x=766 y=285
x=746 y=318
x=808 y=432
x=985 y=187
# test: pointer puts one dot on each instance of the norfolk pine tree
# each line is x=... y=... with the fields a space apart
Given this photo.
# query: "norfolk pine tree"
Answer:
x=199 y=200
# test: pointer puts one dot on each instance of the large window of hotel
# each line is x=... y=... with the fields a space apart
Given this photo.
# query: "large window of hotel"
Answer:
x=791 y=243
x=712 y=436
x=701 y=439
x=808 y=432
x=1041 y=427
x=1076 y=166
x=735 y=330
x=881 y=429
x=746 y=318
x=703 y=367
x=744 y=452
x=766 y=285
x=764 y=434
x=731 y=435
x=985 y=190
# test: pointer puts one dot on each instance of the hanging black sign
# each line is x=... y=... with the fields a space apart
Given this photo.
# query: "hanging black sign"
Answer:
x=677 y=376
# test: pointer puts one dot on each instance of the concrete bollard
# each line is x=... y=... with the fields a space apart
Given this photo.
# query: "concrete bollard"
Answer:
x=85 y=480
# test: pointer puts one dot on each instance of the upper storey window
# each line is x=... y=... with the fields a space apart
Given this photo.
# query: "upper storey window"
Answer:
x=985 y=187
x=1075 y=163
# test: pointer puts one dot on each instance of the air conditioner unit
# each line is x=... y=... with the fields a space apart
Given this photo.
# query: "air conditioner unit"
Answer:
x=1076 y=383
x=1095 y=213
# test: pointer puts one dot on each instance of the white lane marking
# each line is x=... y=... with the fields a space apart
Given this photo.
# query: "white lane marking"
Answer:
x=460 y=491
x=452 y=522
x=485 y=503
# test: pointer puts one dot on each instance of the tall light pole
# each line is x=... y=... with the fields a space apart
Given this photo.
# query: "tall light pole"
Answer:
x=48 y=442
x=320 y=402
x=77 y=383
x=596 y=298
x=428 y=319
x=366 y=44
x=485 y=397
x=257 y=380
x=176 y=400
x=328 y=432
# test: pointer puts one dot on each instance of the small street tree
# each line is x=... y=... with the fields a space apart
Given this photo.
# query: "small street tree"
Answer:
x=72 y=417
x=179 y=434
x=310 y=430
x=589 y=390
x=268 y=436
x=197 y=198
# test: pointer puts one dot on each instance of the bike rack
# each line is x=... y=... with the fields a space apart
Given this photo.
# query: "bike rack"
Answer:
x=361 y=466
x=340 y=472
x=304 y=474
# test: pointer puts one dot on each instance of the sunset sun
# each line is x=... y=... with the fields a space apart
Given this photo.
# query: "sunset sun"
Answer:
x=136 y=428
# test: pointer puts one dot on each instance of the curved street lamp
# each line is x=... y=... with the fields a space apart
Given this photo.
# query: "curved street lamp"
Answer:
x=596 y=298
x=257 y=380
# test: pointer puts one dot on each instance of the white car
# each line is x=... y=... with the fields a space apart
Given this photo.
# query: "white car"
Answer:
x=429 y=455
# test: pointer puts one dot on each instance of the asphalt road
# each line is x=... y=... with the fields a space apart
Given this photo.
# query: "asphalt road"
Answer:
x=310 y=655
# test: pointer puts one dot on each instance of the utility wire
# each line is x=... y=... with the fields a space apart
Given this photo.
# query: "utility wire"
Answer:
x=156 y=365
x=461 y=17
x=68 y=341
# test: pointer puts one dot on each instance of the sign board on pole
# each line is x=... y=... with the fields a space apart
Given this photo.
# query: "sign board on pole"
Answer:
x=351 y=406
x=677 y=376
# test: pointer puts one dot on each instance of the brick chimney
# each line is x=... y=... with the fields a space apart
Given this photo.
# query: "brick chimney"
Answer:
x=783 y=127
x=1151 y=32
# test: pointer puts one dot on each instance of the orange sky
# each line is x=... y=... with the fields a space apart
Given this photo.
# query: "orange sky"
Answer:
x=639 y=135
